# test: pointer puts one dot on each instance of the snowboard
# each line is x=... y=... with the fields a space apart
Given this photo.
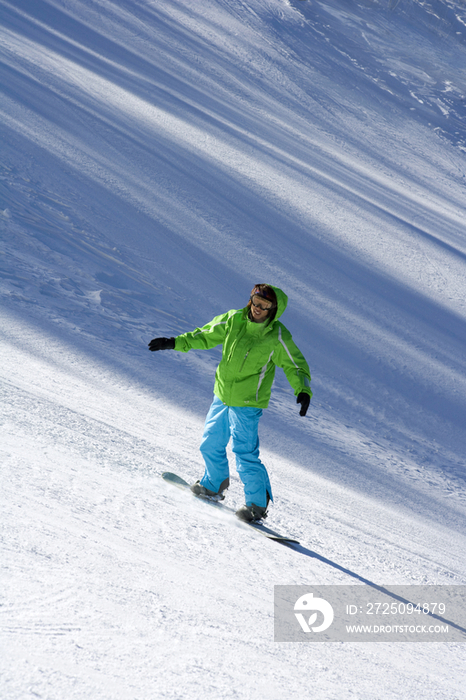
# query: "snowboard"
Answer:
x=176 y=480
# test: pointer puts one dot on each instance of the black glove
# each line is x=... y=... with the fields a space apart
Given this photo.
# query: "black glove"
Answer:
x=162 y=344
x=304 y=399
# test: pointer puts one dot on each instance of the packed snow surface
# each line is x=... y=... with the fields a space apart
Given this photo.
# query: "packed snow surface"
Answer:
x=158 y=159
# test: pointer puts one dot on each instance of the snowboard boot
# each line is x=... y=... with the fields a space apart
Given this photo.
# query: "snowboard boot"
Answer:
x=252 y=513
x=202 y=492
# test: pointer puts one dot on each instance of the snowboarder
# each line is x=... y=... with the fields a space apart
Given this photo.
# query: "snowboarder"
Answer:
x=254 y=343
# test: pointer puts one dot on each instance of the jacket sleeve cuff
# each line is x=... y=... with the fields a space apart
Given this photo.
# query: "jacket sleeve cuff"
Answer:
x=180 y=344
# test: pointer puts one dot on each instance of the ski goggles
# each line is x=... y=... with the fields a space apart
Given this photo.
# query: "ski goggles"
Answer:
x=260 y=303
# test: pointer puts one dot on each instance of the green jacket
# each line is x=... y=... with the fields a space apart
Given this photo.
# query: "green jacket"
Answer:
x=251 y=352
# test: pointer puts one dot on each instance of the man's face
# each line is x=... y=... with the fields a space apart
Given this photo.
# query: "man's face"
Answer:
x=259 y=308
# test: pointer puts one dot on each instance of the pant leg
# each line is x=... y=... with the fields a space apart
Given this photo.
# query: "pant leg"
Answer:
x=213 y=446
x=244 y=427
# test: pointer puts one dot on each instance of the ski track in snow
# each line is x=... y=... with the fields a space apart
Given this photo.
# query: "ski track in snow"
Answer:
x=158 y=159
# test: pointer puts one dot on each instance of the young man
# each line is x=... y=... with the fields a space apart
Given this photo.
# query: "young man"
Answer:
x=254 y=343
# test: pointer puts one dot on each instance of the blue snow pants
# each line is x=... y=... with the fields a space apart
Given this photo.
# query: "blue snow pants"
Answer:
x=241 y=424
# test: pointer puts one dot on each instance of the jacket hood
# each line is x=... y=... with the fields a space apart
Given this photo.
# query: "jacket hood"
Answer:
x=282 y=301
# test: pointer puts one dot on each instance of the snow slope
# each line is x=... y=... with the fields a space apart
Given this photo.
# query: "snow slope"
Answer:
x=158 y=159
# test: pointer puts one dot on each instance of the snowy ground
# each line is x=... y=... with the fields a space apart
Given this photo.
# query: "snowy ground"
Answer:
x=158 y=159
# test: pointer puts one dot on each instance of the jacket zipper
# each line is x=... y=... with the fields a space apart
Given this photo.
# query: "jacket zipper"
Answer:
x=244 y=360
x=235 y=343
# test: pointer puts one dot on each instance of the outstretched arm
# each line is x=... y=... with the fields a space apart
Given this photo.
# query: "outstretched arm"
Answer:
x=204 y=338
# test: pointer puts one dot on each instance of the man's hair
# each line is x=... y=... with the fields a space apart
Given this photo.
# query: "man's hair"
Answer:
x=265 y=291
